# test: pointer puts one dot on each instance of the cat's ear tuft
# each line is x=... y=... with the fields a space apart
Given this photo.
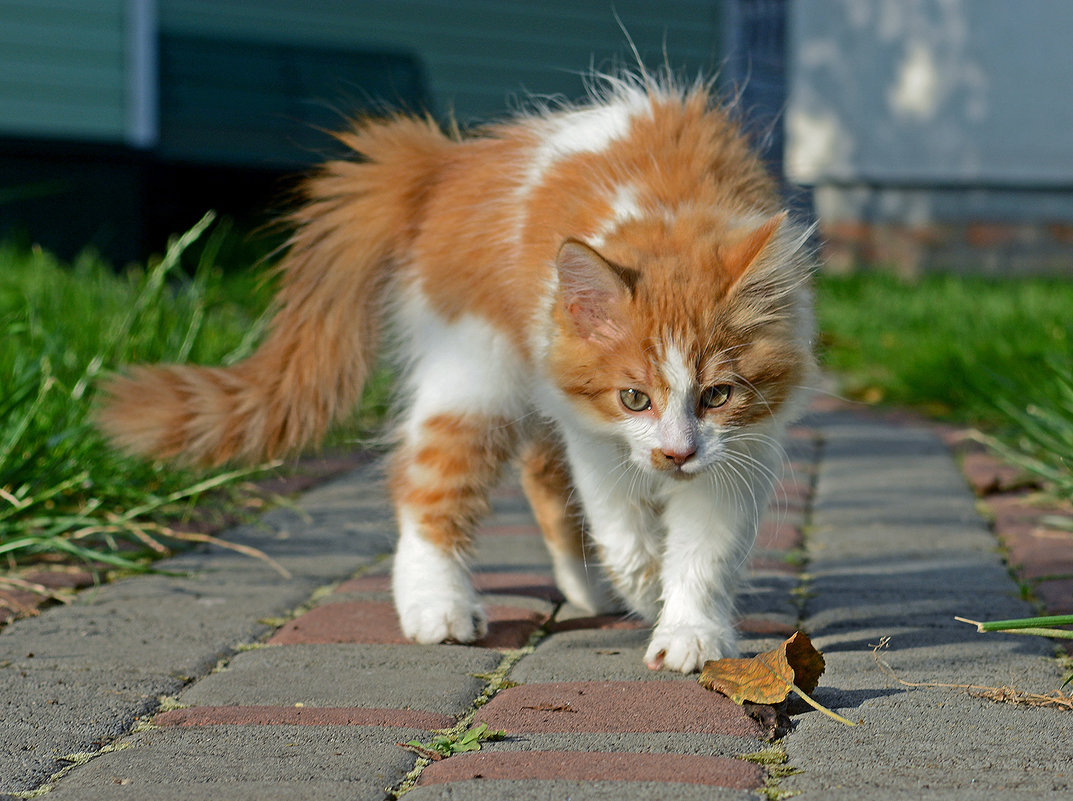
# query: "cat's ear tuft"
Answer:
x=592 y=290
x=739 y=256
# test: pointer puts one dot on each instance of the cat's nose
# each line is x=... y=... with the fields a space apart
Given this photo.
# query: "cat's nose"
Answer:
x=679 y=456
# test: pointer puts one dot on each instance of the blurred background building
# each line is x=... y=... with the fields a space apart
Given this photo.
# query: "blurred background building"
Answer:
x=122 y=121
x=924 y=133
x=935 y=133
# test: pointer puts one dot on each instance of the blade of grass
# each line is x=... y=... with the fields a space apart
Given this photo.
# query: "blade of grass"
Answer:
x=1036 y=626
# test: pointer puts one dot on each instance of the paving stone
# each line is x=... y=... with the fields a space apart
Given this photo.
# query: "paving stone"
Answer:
x=596 y=766
x=608 y=706
x=774 y=562
x=504 y=552
x=766 y=626
x=432 y=678
x=548 y=790
x=301 y=716
x=988 y=475
x=530 y=584
x=239 y=761
x=376 y=622
x=672 y=742
x=778 y=535
x=1057 y=595
x=502 y=529
x=614 y=654
x=768 y=593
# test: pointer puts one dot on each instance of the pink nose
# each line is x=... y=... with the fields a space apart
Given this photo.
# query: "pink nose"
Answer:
x=679 y=457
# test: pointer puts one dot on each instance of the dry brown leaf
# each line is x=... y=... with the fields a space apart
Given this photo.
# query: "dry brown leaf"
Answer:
x=767 y=678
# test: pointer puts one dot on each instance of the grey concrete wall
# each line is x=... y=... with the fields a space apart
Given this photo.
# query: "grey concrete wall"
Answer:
x=925 y=117
x=926 y=91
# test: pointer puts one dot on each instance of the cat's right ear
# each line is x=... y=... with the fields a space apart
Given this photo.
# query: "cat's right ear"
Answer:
x=592 y=290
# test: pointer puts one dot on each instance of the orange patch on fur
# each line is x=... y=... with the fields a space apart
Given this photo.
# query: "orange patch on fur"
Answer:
x=443 y=480
x=549 y=489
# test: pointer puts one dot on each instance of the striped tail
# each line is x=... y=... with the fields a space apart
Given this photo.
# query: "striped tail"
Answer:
x=358 y=221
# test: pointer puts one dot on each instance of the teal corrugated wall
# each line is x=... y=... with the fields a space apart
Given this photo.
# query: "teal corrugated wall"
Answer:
x=479 y=55
x=63 y=63
x=62 y=69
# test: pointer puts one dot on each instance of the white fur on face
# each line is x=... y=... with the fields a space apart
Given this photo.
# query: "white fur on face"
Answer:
x=676 y=427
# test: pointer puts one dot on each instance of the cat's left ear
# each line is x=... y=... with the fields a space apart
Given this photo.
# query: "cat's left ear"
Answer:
x=592 y=290
x=738 y=257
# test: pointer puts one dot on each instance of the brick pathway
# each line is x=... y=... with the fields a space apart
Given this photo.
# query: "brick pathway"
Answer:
x=570 y=691
x=208 y=686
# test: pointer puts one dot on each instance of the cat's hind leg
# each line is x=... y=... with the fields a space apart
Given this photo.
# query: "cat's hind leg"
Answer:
x=440 y=482
x=547 y=485
x=462 y=391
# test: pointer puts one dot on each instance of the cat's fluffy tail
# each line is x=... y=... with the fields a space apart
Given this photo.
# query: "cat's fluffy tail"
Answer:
x=357 y=222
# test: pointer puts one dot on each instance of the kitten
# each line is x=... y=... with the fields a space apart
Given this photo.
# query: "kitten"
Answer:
x=609 y=292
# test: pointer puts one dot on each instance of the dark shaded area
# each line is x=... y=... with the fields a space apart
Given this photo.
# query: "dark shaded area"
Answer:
x=240 y=121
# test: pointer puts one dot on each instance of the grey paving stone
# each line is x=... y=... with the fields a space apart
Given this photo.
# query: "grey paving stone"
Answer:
x=589 y=655
x=768 y=594
x=239 y=762
x=496 y=552
x=432 y=678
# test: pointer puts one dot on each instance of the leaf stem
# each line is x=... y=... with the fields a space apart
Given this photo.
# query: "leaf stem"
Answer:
x=817 y=705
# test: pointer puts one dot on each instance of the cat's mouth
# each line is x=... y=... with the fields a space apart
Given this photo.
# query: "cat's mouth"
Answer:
x=678 y=474
x=678 y=469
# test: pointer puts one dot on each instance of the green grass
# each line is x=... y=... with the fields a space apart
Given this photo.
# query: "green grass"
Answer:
x=1039 y=435
x=949 y=346
x=62 y=489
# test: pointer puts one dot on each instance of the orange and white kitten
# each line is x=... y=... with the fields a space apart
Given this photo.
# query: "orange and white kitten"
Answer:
x=609 y=292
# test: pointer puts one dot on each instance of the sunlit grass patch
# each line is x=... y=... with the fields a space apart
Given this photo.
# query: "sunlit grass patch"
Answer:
x=62 y=489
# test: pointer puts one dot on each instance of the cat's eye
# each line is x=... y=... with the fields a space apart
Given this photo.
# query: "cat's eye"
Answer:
x=714 y=397
x=635 y=400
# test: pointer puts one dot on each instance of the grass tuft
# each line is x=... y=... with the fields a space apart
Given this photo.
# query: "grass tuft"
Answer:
x=948 y=345
x=63 y=490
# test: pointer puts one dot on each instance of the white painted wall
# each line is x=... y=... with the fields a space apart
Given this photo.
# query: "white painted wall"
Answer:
x=956 y=93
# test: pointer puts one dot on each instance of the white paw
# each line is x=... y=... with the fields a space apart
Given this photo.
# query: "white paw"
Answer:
x=434 y=622
x=687 y=648
x=433 y=594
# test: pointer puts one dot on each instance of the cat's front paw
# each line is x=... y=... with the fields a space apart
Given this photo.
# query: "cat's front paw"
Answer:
x=432 y=623
x=433 y=596
x=687 y=648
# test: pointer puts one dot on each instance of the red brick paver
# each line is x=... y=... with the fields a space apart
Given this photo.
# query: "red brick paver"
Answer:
x=301 y=716
x=617 y=706
x=375 y=622
x=1040 y=554
x=596 y=766
x=529 y=585
x=778 y=535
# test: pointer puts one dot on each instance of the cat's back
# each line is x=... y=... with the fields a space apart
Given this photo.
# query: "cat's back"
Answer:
x=513 y=192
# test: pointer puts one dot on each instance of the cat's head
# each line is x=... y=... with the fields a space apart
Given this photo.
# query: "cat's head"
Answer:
x=680 y=335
